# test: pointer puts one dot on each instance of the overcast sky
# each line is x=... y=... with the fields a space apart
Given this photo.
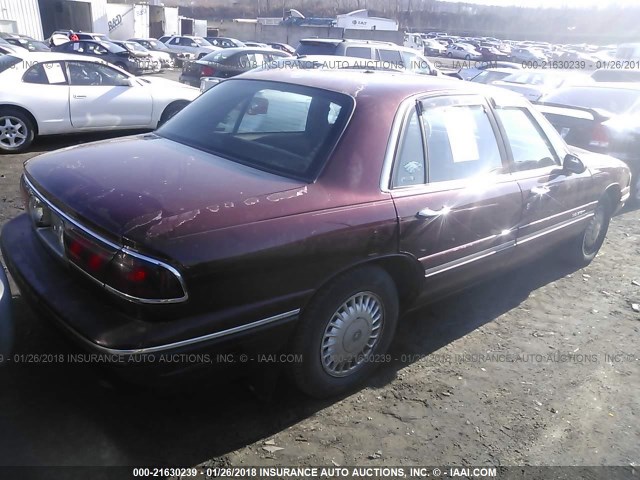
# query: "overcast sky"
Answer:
x=555 y=3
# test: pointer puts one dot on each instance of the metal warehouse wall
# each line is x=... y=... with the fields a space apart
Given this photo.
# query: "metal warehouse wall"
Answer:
x=25 y=14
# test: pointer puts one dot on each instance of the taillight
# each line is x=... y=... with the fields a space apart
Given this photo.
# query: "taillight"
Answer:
x=86 y=254
x=599 y=136
x=143 y=279
x=207 y=71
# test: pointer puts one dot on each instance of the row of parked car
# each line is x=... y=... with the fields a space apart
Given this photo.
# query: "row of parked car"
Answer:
x=490 y=48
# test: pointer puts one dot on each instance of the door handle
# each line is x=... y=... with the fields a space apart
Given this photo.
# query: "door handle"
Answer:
x=430 y=213
x=79 y=96
x=541 y=190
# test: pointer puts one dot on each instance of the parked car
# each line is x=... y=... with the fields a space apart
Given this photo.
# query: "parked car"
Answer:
x=533 y=84
x=490 y=75
x=249 y=43
x=467 y=73
x=196 y=47
x=224 y=42
x=343 y=47
x=159 y=51
x=528 y=55
x=616 y=75
x=392 y=54
x=434 y=48
x=53 y=93
x=7 y=48
x=603 y=117
x=283 y=47
x=227 y=63
x=26 y=42
x=326 y=62
x=492 y=54
x=277 y=213
x=463 y=51
x=64 y=35
x=139 y=51
x=109 y=52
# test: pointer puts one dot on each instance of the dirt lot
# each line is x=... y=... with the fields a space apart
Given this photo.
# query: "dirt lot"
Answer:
x=538 y=367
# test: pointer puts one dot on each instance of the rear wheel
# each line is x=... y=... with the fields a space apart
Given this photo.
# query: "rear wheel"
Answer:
x=449 y=54
x=345 y=332
x=584 y=248
x=16 y=130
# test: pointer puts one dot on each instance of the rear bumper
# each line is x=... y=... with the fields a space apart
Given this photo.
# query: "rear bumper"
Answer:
x=99 y=326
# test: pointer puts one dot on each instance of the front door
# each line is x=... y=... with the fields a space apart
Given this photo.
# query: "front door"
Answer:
x=556 y=203
x=102 y=97
x=458 y=205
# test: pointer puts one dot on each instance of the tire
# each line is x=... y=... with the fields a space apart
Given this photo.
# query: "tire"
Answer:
x=467 y=57
x=581 y=250
x=170 y=111
x=331 y=367
x=449 y=54
x=17 y=130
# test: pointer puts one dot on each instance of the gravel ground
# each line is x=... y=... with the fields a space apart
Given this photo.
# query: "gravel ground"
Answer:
x=540 y=367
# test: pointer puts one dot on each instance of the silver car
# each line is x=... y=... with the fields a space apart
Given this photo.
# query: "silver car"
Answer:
x=195 y=47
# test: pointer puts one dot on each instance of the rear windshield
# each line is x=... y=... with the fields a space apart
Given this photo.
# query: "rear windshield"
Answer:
x=316 y=48
x=281 y=128
x=611 y=100
x=8 y=61
x=218 y=56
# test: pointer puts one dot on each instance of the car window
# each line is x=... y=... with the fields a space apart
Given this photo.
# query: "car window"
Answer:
x=49 y=73
x=409 y=166
x=461 y=142
x=390 y=56
x=529 y=145
x=8 y=61
x=281 y=128
x=416 y=63
x=89 y=73
x=360 y=52
x=175 y=41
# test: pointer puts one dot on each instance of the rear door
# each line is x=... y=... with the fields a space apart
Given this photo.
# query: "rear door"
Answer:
x=102 y=97
x=458 y=204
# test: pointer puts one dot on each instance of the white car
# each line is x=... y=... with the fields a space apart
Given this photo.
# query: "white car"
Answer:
x=51 y=93
x=464 y=51
x=533 y=84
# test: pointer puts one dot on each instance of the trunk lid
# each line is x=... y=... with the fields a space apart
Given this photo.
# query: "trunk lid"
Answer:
x=148 y=189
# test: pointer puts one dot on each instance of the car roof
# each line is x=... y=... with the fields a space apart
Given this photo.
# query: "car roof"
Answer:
x=374 y=85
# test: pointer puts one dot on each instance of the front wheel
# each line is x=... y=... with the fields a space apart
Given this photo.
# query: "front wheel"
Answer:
x=170 y=111
x=16 y=131
x=345 y=332
x=584 y=248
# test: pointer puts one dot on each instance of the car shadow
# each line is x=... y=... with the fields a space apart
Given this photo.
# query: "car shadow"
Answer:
x=56 y=414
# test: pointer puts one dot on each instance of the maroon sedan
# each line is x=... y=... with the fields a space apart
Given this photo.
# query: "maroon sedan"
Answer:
x=301 y=213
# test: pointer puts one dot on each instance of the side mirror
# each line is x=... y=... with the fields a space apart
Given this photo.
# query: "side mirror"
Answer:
x=573 y=164
x=124 y=82
x=259 y=106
